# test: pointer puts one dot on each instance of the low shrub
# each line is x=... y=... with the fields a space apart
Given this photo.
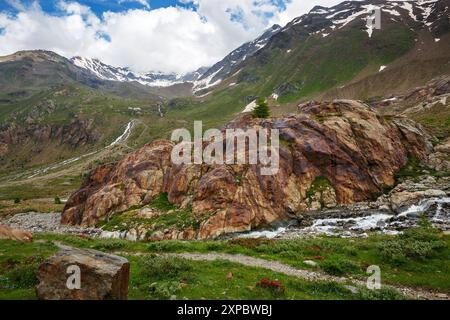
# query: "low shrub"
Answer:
x=249 y=243
x=417 y=243
x=109 y=245
x=164 y=267
x=22 y=276
x=381 y=294
x=339 y=266
x=163 y=290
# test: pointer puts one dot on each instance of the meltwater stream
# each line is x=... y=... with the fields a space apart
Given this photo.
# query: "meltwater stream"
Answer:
x=440 y=214
x=437 y=209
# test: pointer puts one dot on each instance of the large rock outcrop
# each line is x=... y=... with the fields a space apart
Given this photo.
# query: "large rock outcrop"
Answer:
x=76 y=274
x=331 y=153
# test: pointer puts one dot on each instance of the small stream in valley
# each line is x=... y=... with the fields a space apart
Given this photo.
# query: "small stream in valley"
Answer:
x=358 y=224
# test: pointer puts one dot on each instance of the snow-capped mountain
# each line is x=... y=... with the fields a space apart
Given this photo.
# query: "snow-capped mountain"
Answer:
x=223 y=68
x=320 y=21
x=152 y=79
x=323 y=22
x=202 y=78
x=426 y=12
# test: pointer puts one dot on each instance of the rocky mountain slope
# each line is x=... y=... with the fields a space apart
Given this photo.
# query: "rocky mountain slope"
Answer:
x=25 y=73
x=331 y=48
x=332 y=153
x=223 y=68
x=51 y=110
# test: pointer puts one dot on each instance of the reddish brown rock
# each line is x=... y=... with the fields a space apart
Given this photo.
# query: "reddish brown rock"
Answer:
x=101 y=276
x=3 y=149
x=343 y=142
x=15 y=234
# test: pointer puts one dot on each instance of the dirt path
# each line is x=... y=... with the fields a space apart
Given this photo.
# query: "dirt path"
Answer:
x=304 y=274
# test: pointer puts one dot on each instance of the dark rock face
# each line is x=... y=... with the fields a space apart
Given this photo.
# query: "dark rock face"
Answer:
x=78 y=133
x=344 y=143
x=102 y=276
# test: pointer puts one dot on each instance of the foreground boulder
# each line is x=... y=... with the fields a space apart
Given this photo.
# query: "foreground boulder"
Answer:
x=331 y=153
x=15 y=234
x=101 y=276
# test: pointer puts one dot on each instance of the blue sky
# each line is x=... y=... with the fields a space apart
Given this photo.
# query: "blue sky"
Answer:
x=98 y=6
x=146 y=35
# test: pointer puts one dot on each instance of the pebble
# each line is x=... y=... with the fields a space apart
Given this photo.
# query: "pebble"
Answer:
x=352 y=289
x=310 y=263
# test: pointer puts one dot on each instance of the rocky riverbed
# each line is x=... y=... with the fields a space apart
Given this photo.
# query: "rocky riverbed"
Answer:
x=402 y=208
x=36 y=222
x=381 y=221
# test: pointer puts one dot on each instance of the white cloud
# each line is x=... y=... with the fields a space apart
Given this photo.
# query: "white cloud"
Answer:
x=16 y=4
x=145 y=3
x=298 y=7
x=172 y=39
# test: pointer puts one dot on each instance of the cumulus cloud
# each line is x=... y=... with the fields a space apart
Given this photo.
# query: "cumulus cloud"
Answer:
x=295 y=8
x=144 y=3
x=171 y=39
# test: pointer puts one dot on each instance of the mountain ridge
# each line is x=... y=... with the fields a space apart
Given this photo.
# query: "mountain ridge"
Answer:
x=123 y=74
x=300 y=61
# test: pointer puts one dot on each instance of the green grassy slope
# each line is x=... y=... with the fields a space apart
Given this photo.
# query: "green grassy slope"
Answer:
x=417 y=259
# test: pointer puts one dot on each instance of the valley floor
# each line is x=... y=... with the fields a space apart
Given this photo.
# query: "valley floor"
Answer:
x=414 y=265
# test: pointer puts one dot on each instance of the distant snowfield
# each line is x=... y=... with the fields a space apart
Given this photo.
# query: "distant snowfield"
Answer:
x=110 y=73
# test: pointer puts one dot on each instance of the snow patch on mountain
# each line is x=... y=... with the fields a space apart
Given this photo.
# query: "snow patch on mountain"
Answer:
x=151 y=79
x=250 y=107
x=348 y=12
x=217 y=73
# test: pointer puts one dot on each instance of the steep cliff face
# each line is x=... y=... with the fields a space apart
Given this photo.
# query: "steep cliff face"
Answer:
x=75 y=134
x=331 y=153
x=44 y=143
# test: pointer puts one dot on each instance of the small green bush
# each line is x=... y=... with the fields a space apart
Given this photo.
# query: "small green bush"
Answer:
x=109 y=245
x=57 y=200
x=22 y=276
x=163 y=290
x=16 y=200
x=261 y=110
x=382 y=294
x=339 y=266
x=164 y=267
x=161 y=202
x=417 y=243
